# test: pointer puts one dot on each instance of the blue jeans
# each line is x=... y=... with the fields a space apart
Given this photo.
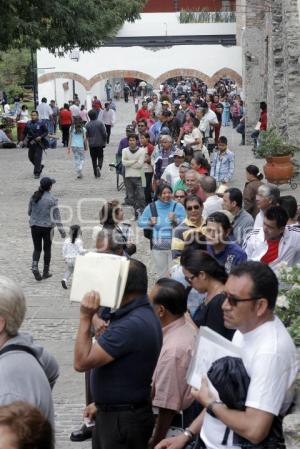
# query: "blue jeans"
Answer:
x=78 y=154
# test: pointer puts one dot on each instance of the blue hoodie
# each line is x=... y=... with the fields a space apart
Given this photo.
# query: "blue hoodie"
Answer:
x=163 y=230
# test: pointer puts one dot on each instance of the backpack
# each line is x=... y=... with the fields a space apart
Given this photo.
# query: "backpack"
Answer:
x=16 y=347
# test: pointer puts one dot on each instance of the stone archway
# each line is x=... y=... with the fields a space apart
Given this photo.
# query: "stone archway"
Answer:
x=89 y=83
x=120 y=74
x=232 y=74
x=181 y=72
x=64 y=75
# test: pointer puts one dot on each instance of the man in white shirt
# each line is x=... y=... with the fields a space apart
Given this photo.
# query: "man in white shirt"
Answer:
x=171 y=173
x=267 y=195
x=275 y=242
x=75 y=110
x=45 y=113
x=108 y=118
x=270 y=359
x=213 y=202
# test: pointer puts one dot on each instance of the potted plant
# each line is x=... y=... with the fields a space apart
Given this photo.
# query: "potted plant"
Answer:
x=278 y=153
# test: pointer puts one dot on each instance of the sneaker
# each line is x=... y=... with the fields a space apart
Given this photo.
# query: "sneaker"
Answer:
x=64 y=284
x=79 y=176
x=98 y=172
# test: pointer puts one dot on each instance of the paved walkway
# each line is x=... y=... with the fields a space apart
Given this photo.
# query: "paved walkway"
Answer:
x=50 y=317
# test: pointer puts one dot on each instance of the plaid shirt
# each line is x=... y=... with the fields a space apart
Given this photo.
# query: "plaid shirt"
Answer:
x=222 y=167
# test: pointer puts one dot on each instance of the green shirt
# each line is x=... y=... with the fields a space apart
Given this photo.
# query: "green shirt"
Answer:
x=180 y=185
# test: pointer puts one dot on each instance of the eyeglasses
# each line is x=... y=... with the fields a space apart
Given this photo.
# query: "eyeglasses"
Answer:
x=190 y=208
x=233 y=300
x=190 y=278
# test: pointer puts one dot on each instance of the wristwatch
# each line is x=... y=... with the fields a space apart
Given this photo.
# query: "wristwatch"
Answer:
x=189 y=434
x=209 y=408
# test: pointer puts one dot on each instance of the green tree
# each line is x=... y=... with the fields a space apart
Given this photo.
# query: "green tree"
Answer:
x=64 y=24
x=15 y=71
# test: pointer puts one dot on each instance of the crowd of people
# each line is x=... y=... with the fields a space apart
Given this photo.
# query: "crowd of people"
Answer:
x=216 y=250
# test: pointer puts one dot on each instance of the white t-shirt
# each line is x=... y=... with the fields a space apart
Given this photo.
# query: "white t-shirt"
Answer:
x=259 y=220
x=212 y=204
x=270 y=358
x=196 y=134
x=75 y=110
x=171 y=174
x=44 y=111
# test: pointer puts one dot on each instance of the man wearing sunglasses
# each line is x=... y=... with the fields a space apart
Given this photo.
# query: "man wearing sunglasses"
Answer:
x=270 y=359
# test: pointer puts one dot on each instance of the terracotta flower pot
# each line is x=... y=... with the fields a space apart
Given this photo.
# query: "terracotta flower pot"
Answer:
x=279 y=169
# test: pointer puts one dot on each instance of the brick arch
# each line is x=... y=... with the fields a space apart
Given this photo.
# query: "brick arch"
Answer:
x=181 y=72
x=89 y=83
x=226 y=72
x=64 y=75
x=121 y=74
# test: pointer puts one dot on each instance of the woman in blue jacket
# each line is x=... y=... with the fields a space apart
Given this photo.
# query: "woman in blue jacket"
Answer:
x=162 y=217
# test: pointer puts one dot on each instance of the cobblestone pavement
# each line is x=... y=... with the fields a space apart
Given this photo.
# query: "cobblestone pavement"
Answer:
x=50 y=317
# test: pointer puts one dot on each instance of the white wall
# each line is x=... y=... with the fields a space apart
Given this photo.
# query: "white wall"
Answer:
x=206 y=58
x=160 y=24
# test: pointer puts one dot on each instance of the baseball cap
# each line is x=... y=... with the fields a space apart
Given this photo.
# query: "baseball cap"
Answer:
x=46 y=182
x=130 y=128
x=177 y=102
x=179 y=153
x=166 y=102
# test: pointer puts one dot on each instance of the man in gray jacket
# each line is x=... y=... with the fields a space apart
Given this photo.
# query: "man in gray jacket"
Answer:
x=97 y=137
x=27 y=372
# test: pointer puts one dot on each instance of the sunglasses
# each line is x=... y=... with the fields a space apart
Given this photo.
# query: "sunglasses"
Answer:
x=179 y=196
x=190 y=278
x=233 y=300
x=190 y=208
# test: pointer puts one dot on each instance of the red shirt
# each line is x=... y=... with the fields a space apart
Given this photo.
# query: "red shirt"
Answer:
x=65 y=117
x=142 y=113
x=263 y=121
x=272 y=253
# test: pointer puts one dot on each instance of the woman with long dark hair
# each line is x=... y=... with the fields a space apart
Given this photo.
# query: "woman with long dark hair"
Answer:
x=161 y=217
x=44 y=215
x=205 y=275
x=254 y=180
x=112 y=218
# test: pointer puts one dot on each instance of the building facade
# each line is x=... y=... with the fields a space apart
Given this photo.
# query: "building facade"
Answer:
x=194 y=5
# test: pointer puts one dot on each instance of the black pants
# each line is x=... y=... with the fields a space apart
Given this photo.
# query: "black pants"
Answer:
x=108 y=131
x=123 y=430
x=148 y=188
x=41 y=236
x=35 y=154
x=65 y=129
x=97 y=158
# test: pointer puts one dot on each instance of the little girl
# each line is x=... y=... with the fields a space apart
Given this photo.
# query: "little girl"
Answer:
x=73 y=246
x=78 y=143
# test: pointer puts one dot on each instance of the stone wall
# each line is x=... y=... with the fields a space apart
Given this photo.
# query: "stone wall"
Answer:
x=271 y=63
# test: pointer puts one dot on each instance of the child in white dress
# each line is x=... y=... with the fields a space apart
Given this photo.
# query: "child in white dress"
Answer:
x=73 y=247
